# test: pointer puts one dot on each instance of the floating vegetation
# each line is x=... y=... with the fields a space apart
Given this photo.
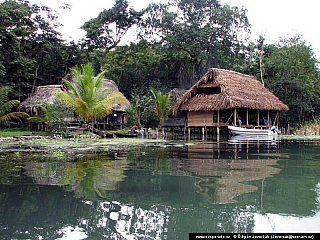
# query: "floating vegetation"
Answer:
x=74 y=145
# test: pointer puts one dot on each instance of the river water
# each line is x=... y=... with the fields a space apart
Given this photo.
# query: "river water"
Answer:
x=160 y=190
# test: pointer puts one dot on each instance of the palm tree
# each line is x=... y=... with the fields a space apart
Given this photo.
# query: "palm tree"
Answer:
x=87 y=96
x=6 y=107
x=162 y=105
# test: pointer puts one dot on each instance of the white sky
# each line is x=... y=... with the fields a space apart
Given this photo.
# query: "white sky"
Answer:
x=273 y=18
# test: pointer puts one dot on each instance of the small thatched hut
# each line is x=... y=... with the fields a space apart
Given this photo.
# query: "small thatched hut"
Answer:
x=118 y=115
x=41 y=95
x=222 y=97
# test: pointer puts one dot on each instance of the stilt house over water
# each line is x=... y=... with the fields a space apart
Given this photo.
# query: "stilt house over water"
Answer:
x=223 y=97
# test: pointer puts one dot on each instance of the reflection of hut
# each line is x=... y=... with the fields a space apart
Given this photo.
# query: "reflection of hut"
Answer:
x=179 y=120
x=223 y=172
x=222 y=97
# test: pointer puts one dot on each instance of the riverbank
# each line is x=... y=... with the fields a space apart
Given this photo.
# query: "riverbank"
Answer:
x=45 y=144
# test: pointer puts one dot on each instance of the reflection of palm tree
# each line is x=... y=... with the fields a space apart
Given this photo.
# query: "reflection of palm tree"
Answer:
x=87 y=179
x=6 y=106
x=87 y=96
x=99 y=177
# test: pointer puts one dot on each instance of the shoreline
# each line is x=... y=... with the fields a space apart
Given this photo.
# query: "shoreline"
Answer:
x=160 y=138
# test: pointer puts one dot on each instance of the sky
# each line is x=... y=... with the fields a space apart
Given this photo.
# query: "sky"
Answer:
x=274 y=19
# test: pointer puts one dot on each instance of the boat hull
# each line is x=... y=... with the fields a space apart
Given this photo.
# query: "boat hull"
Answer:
x=247 y=131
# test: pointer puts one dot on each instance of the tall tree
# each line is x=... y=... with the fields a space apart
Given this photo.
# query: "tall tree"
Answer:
x=208 y=32
x=293 y=75
x=107 y=30
x=141 y=66
x=31 y=50
x=15 y=26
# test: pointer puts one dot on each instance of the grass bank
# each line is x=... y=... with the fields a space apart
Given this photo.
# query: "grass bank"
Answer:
x=14 y=132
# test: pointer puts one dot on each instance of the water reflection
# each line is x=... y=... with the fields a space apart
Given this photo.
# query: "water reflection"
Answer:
x=223 y=167
x=163 y=191
x=89 y=178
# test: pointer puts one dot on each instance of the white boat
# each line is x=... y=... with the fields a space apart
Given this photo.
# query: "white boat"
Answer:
x=251 y=131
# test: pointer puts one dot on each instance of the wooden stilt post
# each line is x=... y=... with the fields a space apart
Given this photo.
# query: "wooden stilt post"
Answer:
x=268 y=121
x=235 y=117
x=258 y=117
x=247 y=116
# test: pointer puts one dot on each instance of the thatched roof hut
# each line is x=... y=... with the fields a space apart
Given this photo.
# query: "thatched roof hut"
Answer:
x=177 y=94
x=221 y=89
x=112 y=87
x=45 y=93
x=221 y=94
x=41 y=95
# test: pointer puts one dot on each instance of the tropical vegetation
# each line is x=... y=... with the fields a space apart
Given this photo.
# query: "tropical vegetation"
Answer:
x=6 y=106
x=176 y=43
x=162 y=105
x=87 y=96
x=54 y=116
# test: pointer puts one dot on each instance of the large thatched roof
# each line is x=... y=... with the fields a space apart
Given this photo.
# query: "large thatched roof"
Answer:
x=41 y=94
x=222 y=89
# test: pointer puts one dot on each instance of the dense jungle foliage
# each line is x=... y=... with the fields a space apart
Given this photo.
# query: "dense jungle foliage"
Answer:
x=176 y=43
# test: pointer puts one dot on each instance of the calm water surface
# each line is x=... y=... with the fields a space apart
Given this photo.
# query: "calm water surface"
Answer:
x=160 y=191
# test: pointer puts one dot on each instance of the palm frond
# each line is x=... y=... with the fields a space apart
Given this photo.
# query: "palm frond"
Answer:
x=98 y=80
x=162 y=105
x=87 y=73
x=13 y=115
x=65 y=97
x=81 y=108
x=6 y=107
x=73 y=88
x=36 y=118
